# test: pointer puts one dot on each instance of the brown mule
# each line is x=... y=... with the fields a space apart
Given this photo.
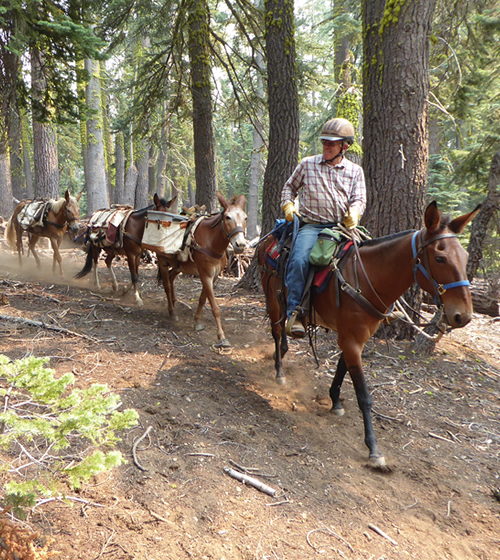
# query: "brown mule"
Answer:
x=208 y=258
x=432 y=256
x=133 y=231
x=60 y=214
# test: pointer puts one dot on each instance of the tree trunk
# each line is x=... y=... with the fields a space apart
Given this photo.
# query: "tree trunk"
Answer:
x=479 y=227
x=283 y=105
x=45 y=156
x=6 y=201
x=395 y=123
x=28 y=174
x=16 y=154
x=120 y=168
x=97 y=192
x=142 y=162
x=199 y=58
x=255 y=161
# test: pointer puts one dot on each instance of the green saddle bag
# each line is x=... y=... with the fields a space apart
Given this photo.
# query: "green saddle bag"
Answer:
x=325 y=248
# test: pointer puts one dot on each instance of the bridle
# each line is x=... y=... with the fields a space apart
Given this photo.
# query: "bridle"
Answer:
x=66 y=220
x=233 y=232
x=419 y=248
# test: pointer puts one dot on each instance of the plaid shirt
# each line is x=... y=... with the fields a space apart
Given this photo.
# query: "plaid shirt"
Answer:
x=326 y=192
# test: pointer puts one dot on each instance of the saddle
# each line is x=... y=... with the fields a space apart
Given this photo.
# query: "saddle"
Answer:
x=105 y=228
x=328 y=255
x=33 y=214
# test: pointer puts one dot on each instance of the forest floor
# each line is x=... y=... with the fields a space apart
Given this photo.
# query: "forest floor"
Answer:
x=437 y=420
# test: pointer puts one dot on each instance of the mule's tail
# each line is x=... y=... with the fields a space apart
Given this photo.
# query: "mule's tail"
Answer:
x=87 y=267
x=10 y=233
x=159 y=276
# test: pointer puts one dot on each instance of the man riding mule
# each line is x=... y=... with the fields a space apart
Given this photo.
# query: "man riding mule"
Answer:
x=360 y=292
x=331 y=190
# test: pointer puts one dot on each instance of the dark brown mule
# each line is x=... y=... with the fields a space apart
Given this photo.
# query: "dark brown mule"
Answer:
x=386 y=268
x=62 y=213
x=133 y=232
x=208 y=251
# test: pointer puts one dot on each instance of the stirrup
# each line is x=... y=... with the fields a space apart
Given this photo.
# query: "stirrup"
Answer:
x=294 y=326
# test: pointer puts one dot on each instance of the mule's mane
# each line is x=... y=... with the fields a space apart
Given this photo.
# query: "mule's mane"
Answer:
x=386 y=238
x=56 y=205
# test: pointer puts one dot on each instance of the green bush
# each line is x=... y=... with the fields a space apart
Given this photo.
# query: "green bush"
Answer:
x=54 y=438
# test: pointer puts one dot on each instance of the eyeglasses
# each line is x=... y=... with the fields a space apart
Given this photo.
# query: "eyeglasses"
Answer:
x=331 y=143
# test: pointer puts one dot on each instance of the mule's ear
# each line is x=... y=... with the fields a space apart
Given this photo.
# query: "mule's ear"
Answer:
x=156 y=200
x=222 y=200
x=67 y=195
x=240 y=201
x=78 y=196
x=171 y=201
x=432 y=218
x=458 y=224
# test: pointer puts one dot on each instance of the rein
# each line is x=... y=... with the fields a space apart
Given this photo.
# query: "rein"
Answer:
x=418 y=248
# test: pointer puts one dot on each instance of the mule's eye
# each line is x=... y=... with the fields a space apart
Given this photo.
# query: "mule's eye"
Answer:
x=440 y=260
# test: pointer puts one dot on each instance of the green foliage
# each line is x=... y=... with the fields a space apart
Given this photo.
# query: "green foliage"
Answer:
x=41 y=418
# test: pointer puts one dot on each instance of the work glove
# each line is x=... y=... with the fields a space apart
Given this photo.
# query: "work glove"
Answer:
x=351 y=218
x=289 y=210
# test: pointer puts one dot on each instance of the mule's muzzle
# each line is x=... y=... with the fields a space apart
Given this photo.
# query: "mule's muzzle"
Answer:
x=73 y=226
x=239 y=243
x=457 y=319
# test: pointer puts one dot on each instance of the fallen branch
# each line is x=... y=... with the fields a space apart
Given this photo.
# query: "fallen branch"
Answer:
x=43 y=325
x=251 y=481
x=134 y=449
x=382 y=534
x=436 y=436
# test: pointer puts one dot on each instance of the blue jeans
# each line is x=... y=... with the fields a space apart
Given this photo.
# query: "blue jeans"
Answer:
x=298 y=264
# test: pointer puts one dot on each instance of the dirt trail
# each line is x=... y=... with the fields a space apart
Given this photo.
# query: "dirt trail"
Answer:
x=436 y=419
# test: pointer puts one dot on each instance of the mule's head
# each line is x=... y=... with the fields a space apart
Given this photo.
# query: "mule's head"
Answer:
x=234 y=221
x=162 y=205
x=445 y=261
x=72 y=211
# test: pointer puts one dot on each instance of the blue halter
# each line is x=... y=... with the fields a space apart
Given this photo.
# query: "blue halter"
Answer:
x=440 y=288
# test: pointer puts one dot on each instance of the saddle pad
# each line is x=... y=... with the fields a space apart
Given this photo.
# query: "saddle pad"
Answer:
x=164 y=233
x=32 y=214
x=104 y=224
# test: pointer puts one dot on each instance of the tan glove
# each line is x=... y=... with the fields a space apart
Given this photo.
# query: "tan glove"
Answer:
x=289 y=210
x=351 y=219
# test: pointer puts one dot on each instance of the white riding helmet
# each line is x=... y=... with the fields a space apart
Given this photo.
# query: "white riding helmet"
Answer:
x=338 y=129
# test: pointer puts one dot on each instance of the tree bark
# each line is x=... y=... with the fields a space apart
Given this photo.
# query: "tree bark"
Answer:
x=97 y=192
x=255 y=161
x=204 y=157
x=479 y=228
x=45 y=155
x=395 y=118
x=283 y=105
x=120 y=168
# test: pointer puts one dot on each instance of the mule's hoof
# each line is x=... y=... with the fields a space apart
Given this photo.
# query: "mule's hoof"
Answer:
x=377 y=463
x=139 y=302
x=337 y=411
x=224 y=343
x=281 y=380
x=199 y=327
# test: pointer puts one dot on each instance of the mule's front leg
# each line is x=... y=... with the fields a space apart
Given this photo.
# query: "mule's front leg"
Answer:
x=376 y=458
x=208 y=293
x=56 y=259
x=337 y=407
